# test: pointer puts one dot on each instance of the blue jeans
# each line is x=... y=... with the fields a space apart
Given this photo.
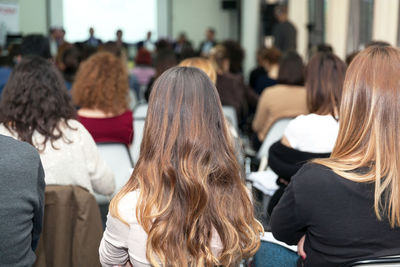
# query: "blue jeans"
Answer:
x=274 y=255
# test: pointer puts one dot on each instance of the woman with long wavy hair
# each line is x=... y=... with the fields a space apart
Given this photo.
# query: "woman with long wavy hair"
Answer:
x=347 y=207
x=186 y=203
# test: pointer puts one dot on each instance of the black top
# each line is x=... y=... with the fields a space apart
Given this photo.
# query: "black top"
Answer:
x=21 y=202
x=336 y=214
x=285 y=35
x=286 y=161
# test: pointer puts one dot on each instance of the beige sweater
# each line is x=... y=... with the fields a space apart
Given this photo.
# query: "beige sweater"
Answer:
x=276 y=102
x=76 y=162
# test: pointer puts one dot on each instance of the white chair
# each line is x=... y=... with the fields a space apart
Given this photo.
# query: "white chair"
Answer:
x=117 y=156
x=230 y=115
x=139 y=117
x=140 y=111
x=274 y=134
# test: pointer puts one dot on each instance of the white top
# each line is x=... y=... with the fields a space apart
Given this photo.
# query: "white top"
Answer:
x=76 y=161
x=312 y=133
x=121 y=242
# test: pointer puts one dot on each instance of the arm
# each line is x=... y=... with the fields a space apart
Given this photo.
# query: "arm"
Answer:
x=113 y=248
x=287 y=222
x=39 y=208
x=101 y=175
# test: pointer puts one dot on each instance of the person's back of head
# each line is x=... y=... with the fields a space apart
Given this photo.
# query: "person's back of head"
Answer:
x=272 y=55
x=369 y=131
x=164 y=59
x=291 y=69
x=235 y=54
x=203 y=64
x=35 y=99
x=324 y=82
x=37 y=45
x=102 y=83
x=189 y=179
x=143 y=57
x=377 y=43
x=219 y=58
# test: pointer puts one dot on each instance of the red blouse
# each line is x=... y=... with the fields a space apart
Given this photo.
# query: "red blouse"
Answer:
x=118 y=129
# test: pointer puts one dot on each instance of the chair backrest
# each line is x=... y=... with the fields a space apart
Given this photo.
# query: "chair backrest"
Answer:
x=274 y=134
x=389 y=261
x=117 y=156
x=230 y=115
x=72 y=228
x=140 y=112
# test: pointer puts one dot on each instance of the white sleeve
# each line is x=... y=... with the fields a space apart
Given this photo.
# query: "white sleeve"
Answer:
x=113 y=248
x=292 y=132
x=101 y=175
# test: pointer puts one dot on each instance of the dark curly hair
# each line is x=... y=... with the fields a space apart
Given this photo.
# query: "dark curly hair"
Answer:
x=35 y=99
x=102 y=83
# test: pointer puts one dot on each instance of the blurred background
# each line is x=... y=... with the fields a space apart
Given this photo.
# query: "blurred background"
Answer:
x=347 y=25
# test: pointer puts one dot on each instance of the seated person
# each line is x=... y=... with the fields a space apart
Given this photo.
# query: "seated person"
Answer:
x=101 y=92
x=35 y=107
x=231 y=87
x=346 y=208
x=269 y=60
x=285 y=100
x=313 y=135
x=185 y=203
x=22 y=202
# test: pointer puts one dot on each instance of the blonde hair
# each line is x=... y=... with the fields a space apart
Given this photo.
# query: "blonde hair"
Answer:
x=189 y=179
x=218 y=55
x=203 y=64
x=369 y=132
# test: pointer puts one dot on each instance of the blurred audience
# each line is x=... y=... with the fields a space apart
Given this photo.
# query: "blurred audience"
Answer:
x=183 y=47
x=270 y=58
x=346 y=208
x=143 y=70
x=101 y=92
x=35 y=107
x=285 y=100
x=313 y=135
x=231 y=88
x=284 y=32
x=93 y=41
x=164 y=59
x=208 y=43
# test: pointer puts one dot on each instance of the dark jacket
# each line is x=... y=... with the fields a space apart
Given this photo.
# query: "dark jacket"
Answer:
x=285 y=162
x=337 y=217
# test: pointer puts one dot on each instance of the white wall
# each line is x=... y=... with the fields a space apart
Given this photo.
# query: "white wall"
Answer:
x=298 y=15
x=195 y=16
x=337 y=19
x=32 y=15
x=386 y=21
x=250 y=32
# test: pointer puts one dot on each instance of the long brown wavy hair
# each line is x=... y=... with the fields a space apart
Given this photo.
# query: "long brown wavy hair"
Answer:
x=102 y=83
x=188 y=177
x=369 y=131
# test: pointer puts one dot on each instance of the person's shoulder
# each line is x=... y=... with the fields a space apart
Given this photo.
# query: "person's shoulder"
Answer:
x=127 y=206
x=314 y=175
x=10 y=144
